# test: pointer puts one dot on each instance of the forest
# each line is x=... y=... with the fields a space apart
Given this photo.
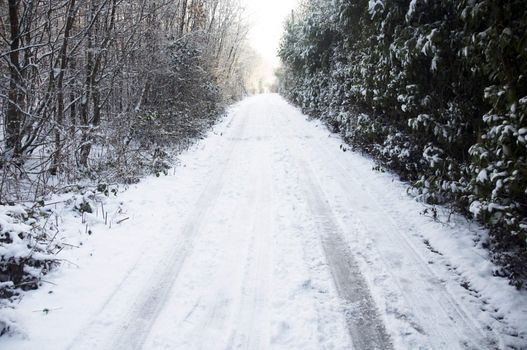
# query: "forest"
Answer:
x=435 y=90
x=100 y=88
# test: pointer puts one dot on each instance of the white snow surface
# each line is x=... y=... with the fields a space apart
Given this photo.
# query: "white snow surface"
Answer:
x=268 y=235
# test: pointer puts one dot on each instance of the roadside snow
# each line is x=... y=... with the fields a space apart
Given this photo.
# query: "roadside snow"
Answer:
x=227 y=251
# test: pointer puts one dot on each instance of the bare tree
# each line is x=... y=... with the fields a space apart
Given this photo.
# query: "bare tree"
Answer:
x=98 y=87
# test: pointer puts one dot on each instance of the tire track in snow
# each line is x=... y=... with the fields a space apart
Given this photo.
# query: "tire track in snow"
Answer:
x=366 y=328
x=133 y=333
x=143 y=311
x=399 y=220
x=443 y=301
x=252 y=331
x=221 y=306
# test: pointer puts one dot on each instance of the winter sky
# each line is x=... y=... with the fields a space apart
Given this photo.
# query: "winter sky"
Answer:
x=267 y=18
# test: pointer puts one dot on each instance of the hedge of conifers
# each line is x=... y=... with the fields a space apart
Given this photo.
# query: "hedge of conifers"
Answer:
x=436 y=90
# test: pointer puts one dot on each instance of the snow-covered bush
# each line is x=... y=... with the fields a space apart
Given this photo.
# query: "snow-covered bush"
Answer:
x=32 y=236
x=26 y=249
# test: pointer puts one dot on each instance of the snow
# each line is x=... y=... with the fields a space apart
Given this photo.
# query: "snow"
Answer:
x=476 y=208
x=374 y=5
x=411 y=9
x=249 y=242
x=482 y=176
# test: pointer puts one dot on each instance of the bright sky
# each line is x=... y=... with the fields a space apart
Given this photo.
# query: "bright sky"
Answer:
x=267 y=18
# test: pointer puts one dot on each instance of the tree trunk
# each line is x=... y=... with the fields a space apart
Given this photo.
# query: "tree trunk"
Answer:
x=13 y=116
x=60 y=90
x=183 y=15
x=85 y=147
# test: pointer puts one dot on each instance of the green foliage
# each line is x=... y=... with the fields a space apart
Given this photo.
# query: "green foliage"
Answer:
x=85 y=207
x=103 y=188
x=436 y=90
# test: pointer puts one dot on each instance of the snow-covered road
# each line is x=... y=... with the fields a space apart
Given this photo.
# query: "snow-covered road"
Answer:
x=268 y=235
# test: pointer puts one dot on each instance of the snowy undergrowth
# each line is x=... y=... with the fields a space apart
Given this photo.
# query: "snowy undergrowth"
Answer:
x=34 y=236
